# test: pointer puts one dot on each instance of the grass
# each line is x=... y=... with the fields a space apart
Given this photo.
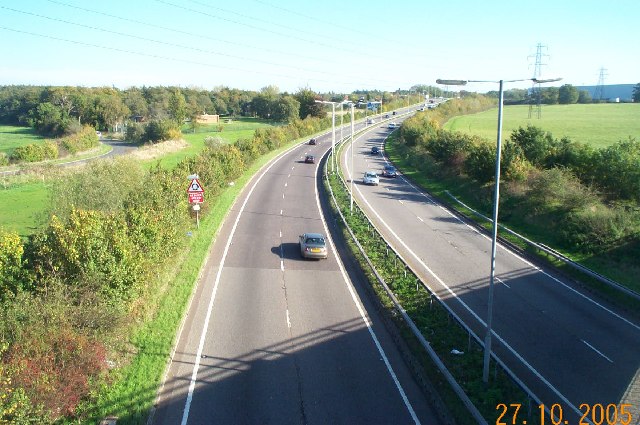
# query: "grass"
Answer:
x=12 y=136
x=618 y=265
x=24 y=201
x=598 y=125
x=239 y=128
x=132 y=389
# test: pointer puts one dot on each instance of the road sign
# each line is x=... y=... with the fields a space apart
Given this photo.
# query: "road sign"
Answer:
x=195 y=187
x=196 y=192
x=196 y=197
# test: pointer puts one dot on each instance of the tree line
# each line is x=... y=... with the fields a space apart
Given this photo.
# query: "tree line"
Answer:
x=589 y=196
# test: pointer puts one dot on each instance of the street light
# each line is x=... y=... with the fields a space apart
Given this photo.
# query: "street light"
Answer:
x=333 y=132
x=496 y=198
x=352 y=176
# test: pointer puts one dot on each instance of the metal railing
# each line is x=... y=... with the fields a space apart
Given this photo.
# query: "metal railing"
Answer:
x=555 y=254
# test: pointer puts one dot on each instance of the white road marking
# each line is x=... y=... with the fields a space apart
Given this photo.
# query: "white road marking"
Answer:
x=198 y=356
x=281 y=264
x=283 y=196
x=280 y=212
x=501 y=281
x=420 y=218
x=466 y=307
x=596 y=350
x=285 y=185
x=401 y=201
x=356 y=301
x=524 y=260
x=288 y=320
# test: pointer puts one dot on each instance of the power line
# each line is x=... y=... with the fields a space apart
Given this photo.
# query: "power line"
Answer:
x=178 y=31
x=154 y=56
x=181 y=46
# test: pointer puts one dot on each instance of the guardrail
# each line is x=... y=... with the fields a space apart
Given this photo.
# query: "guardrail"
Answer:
x=557 y=255
x=419 y=336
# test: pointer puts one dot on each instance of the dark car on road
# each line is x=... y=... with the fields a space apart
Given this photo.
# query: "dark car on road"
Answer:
x=310 y=159
x=375 y=150
x=313 y=141
x=389 y=171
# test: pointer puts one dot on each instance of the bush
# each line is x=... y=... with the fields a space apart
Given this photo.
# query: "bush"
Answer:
x=12 y=273
x=135 y=132
x=35 y=152
x=596 y=228
x=4 y=159
x=81 y=141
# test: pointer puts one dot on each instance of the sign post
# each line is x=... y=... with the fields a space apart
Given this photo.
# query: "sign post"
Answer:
x=196 y=197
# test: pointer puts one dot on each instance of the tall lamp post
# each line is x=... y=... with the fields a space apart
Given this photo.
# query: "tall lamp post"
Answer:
x=333 y=132
x=496 y=198
x=352 y=176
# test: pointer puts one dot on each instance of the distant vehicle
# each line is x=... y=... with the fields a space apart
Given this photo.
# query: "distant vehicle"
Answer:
x=370 y=121
x=375 y=150
x=432 y=105
x=371 y=178
x=99 y=134
x=421 y=110
x=310 y=159
x=313 y=245
x=393 y=125
x=313 y=141
x=386 y=116
x=394 y=112
x=389 y=171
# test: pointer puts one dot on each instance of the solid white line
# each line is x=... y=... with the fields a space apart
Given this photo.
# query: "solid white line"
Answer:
x=196 y=363
x=356 y=301
x=524 y=260
x=501 y=281
x=466 y=307
x=596 y=350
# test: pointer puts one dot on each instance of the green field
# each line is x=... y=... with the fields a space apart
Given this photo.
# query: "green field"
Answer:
x=24 y=201
x=240 y=128
x=598 y=125
x=11 y=137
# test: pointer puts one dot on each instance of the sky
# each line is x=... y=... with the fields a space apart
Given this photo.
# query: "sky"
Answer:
x=325 y=45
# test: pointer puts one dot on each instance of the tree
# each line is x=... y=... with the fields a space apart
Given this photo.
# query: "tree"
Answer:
x=636 y=93
x=550 y=95
x=286 y=109
x=308 y=105
x=177 y=107
x=567 y=94
x=584 y=97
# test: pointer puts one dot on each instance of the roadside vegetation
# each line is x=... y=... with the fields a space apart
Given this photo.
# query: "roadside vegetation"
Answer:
x=598 y=125
x=90 y=304
x=583 y=201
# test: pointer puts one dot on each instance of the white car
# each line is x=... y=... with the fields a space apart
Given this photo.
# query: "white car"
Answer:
x=371 y=178
x=393 y=125
x=370 y=121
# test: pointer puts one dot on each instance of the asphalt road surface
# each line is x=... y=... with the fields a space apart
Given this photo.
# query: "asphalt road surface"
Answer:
x=567 y=345
x=271 y=338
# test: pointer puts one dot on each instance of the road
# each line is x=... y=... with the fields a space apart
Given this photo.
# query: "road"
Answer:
x=271 y=338
x=565 y=344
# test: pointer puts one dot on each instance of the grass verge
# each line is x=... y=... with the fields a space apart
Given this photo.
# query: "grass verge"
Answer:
x=131 y=390
x=612 y=265
x=432 y=319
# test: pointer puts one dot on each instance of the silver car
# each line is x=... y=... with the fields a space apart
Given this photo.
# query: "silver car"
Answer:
x=370 y=177
x=313 y=245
